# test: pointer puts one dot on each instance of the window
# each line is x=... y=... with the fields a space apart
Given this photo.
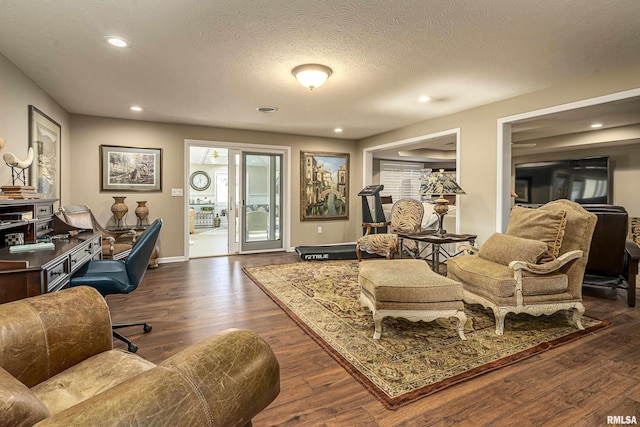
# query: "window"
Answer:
x=400 y=179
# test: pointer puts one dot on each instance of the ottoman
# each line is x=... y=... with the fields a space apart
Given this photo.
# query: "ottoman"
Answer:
x=408 y=288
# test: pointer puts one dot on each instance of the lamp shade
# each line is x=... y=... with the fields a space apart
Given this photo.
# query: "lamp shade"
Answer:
x=311 y=75
x=441 y=183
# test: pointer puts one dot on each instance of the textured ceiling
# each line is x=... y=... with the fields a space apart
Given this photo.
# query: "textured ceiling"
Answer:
x=213 y=62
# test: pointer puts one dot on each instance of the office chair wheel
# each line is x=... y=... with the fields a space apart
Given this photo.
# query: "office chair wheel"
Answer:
x=147 y=328
x=132 y=348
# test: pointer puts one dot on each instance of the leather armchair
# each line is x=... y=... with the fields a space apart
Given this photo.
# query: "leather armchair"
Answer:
x=58 y=368
x=613 y=259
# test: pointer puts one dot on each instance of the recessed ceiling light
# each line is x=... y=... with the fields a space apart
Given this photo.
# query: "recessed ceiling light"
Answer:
x=424 y=98
x=135 y=108
x=337 y=130
x=267 y=109
x=117 y=41
x=596 y=125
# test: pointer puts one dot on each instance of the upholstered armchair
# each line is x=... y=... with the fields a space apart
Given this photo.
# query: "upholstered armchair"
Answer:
x=406 y=216
x=536 y=267
x=58 y=368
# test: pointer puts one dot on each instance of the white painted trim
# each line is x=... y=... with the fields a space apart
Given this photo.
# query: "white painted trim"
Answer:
x=503 y=199
x=285 y=150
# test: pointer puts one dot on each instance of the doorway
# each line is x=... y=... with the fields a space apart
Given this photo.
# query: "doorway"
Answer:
x=236 y=198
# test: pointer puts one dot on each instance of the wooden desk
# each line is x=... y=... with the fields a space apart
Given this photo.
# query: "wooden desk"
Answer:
x=434 y=243
x=25 y=274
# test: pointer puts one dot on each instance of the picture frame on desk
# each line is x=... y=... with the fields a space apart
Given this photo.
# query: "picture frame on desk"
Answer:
x=130 y=169
x=45 y=137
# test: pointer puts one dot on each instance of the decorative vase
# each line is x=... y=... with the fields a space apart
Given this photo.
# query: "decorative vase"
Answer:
x=142 y=212
x=119 y=209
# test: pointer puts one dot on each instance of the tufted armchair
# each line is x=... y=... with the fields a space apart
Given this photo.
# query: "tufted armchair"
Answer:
x=536 y=267
x=406 y=216
x=58 y=368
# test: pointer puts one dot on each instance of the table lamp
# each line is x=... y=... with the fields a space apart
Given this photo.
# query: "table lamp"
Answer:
x=441 y=184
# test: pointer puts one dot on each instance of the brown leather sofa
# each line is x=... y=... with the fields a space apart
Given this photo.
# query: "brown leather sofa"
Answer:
x=58 y=368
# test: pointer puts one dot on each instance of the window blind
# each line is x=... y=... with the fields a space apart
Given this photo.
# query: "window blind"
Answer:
x=400 y=179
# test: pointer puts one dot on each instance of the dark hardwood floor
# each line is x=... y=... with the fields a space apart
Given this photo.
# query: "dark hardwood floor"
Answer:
x=580 y=383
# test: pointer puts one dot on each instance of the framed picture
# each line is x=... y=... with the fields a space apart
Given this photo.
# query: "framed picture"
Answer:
x=45 y=136
x=130 y=168
x=324 y=186
x=523 y=190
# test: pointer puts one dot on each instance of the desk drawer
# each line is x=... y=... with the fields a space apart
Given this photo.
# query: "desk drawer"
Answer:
x=43 y=228
x=44 y=211
x=81 y=255
x=56 y=275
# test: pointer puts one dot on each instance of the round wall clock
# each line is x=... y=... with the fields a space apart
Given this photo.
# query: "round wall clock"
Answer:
x=200 y=180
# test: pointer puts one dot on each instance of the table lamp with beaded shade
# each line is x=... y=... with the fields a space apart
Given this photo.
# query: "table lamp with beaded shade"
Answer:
x=441 y=184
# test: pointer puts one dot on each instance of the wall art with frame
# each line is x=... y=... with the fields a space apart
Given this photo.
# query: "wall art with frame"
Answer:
x=45 y=137
x=324 y=186
x=130 y=168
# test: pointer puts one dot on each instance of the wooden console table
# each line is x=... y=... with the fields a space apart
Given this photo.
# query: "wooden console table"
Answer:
x=434 y=241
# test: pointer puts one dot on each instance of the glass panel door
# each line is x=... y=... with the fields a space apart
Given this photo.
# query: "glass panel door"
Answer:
x=262 y=196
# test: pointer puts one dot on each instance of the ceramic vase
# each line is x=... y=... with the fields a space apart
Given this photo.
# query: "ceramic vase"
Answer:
x=142 y=212
x=119 y=209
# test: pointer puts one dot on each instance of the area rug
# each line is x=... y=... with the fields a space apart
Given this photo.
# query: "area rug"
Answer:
x=412 y=359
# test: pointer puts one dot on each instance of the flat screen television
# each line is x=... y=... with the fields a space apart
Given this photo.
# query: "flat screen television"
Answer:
x=584 y=181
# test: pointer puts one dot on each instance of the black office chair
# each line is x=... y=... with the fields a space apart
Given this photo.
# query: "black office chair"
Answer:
x=121 y=277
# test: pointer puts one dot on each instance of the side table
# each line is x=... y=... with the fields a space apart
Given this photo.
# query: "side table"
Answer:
x=434 y=242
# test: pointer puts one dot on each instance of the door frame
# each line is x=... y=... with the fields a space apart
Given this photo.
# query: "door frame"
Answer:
x=286 y=187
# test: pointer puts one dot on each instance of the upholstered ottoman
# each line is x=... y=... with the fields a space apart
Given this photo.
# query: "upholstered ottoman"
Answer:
x=408 y=288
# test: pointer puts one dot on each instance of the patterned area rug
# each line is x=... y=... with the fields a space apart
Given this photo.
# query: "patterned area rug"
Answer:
x=411 y=360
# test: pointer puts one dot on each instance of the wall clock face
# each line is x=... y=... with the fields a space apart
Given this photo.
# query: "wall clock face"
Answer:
x=200 y=180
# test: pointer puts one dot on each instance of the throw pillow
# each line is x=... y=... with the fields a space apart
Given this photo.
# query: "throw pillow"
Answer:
x=18 y=405
x=539 y=224
x=503 y=249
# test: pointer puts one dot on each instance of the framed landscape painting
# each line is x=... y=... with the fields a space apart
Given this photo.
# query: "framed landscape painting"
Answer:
x=324 y=186
x=130 y=168
x=45 y=136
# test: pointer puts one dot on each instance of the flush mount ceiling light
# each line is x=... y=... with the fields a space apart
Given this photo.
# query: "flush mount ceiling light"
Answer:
x=135 y=108
x=267 y=110
x=117 y=41
x=311 y=75
x=596 y=125
x=424 y=98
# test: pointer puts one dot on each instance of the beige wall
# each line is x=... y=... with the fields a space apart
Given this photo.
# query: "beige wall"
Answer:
x=17 y=92
x=479 y=134
x=90 y=132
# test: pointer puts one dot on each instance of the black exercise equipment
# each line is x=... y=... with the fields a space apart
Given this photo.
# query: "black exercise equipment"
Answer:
x=367 y=216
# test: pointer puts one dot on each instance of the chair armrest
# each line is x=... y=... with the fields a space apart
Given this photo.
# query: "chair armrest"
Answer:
x=547 y=267
x=633 y=250
x=46 y=334
x=224 y=380
x=371 y=225
x=468 y=248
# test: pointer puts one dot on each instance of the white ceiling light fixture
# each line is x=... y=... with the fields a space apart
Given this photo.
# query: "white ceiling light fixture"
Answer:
x=337 y=130
x=424 y=98
x=312 y=75
x=135 y=108
x=117 y=41
x=596 y=125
